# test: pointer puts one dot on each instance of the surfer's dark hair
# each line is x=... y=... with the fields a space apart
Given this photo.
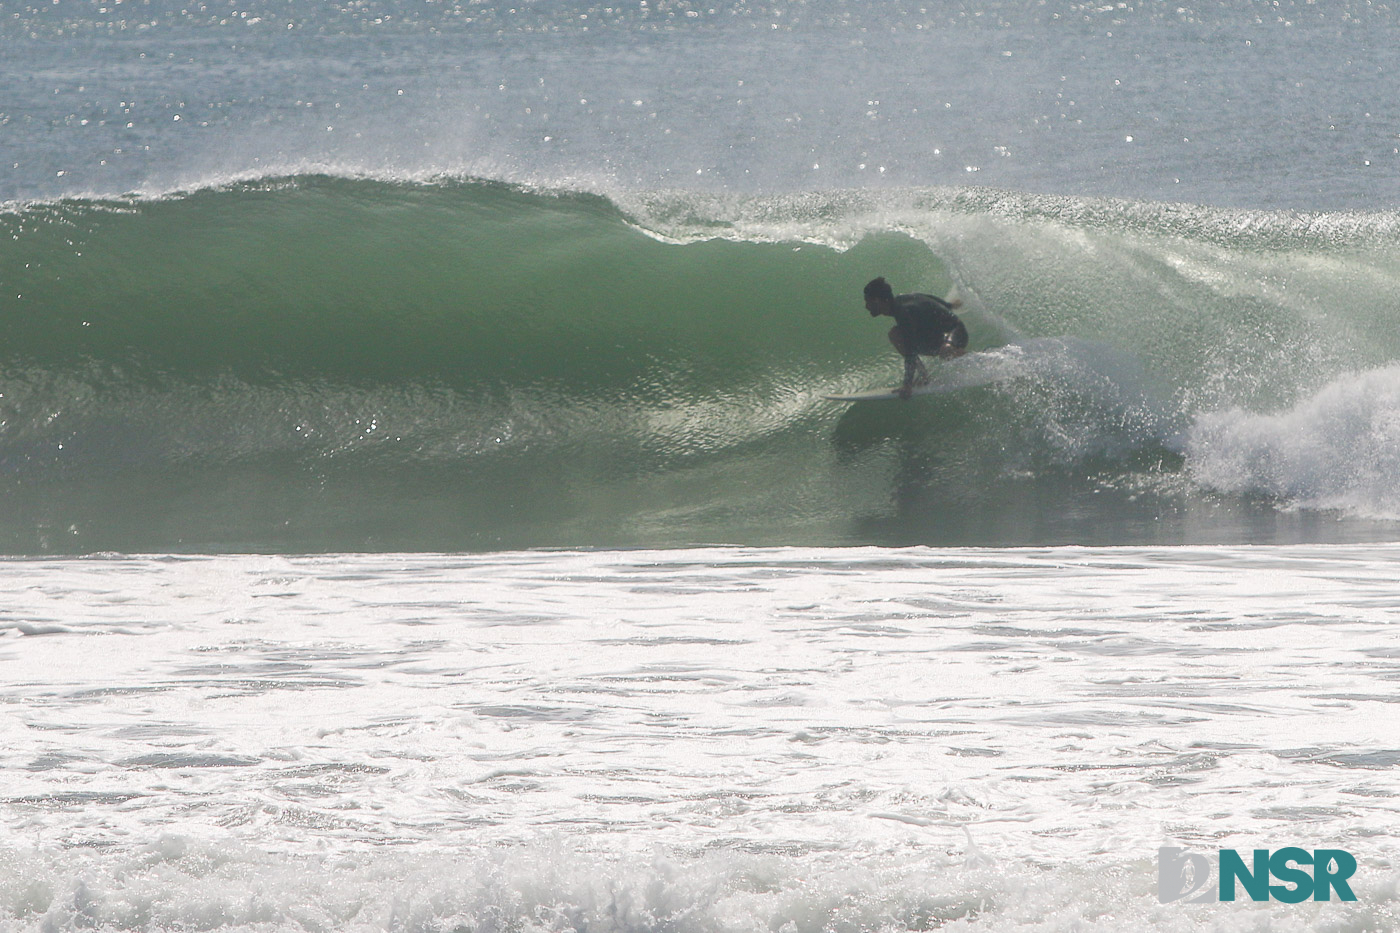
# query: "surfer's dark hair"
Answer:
x=879 y=288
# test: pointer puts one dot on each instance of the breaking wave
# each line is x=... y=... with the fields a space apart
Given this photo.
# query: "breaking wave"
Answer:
x=316 y=362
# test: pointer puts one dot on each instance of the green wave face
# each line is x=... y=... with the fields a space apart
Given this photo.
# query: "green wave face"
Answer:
x=315 y=364
x=470 y=286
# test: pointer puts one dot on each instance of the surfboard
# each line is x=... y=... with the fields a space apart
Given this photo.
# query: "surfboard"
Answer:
x=872 y=395
x=966 y=372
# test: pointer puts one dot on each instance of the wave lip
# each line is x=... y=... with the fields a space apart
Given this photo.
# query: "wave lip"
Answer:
x=1338 y=449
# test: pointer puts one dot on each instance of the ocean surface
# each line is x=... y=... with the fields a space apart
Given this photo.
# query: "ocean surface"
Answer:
x=420 y=510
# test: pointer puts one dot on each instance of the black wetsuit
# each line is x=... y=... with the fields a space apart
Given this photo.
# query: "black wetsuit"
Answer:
x=927 y=324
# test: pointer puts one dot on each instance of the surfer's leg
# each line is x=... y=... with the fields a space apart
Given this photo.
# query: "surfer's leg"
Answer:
x=897 y=340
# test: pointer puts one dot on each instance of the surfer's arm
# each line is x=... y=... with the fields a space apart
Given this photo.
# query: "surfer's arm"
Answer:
x=904 y=336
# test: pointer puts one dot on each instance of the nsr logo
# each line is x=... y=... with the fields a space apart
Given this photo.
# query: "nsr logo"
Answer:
x=1183 y=875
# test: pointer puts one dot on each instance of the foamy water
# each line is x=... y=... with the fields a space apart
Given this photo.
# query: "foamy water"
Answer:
x=1338 y=449
x=722 y=739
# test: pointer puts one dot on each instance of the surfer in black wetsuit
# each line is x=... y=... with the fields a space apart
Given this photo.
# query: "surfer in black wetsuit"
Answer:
x=923 y=324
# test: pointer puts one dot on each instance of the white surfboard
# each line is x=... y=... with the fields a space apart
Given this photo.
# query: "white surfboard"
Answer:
x=871 y=395
x=965 y=372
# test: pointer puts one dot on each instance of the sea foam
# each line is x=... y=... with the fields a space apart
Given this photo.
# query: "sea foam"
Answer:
x=1336 y=449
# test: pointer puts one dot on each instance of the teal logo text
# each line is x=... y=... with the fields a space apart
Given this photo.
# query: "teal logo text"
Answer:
x=1290 y=875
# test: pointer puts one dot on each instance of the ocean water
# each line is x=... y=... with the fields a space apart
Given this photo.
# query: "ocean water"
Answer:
x=420 y=509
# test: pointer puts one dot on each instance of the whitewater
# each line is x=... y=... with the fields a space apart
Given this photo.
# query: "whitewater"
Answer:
x=713 y=739
x=420 y=511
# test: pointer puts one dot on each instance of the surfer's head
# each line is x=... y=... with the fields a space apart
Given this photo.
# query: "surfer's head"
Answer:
x=879 y=297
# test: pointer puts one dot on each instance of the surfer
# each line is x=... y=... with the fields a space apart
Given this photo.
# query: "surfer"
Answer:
x=923 y=324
